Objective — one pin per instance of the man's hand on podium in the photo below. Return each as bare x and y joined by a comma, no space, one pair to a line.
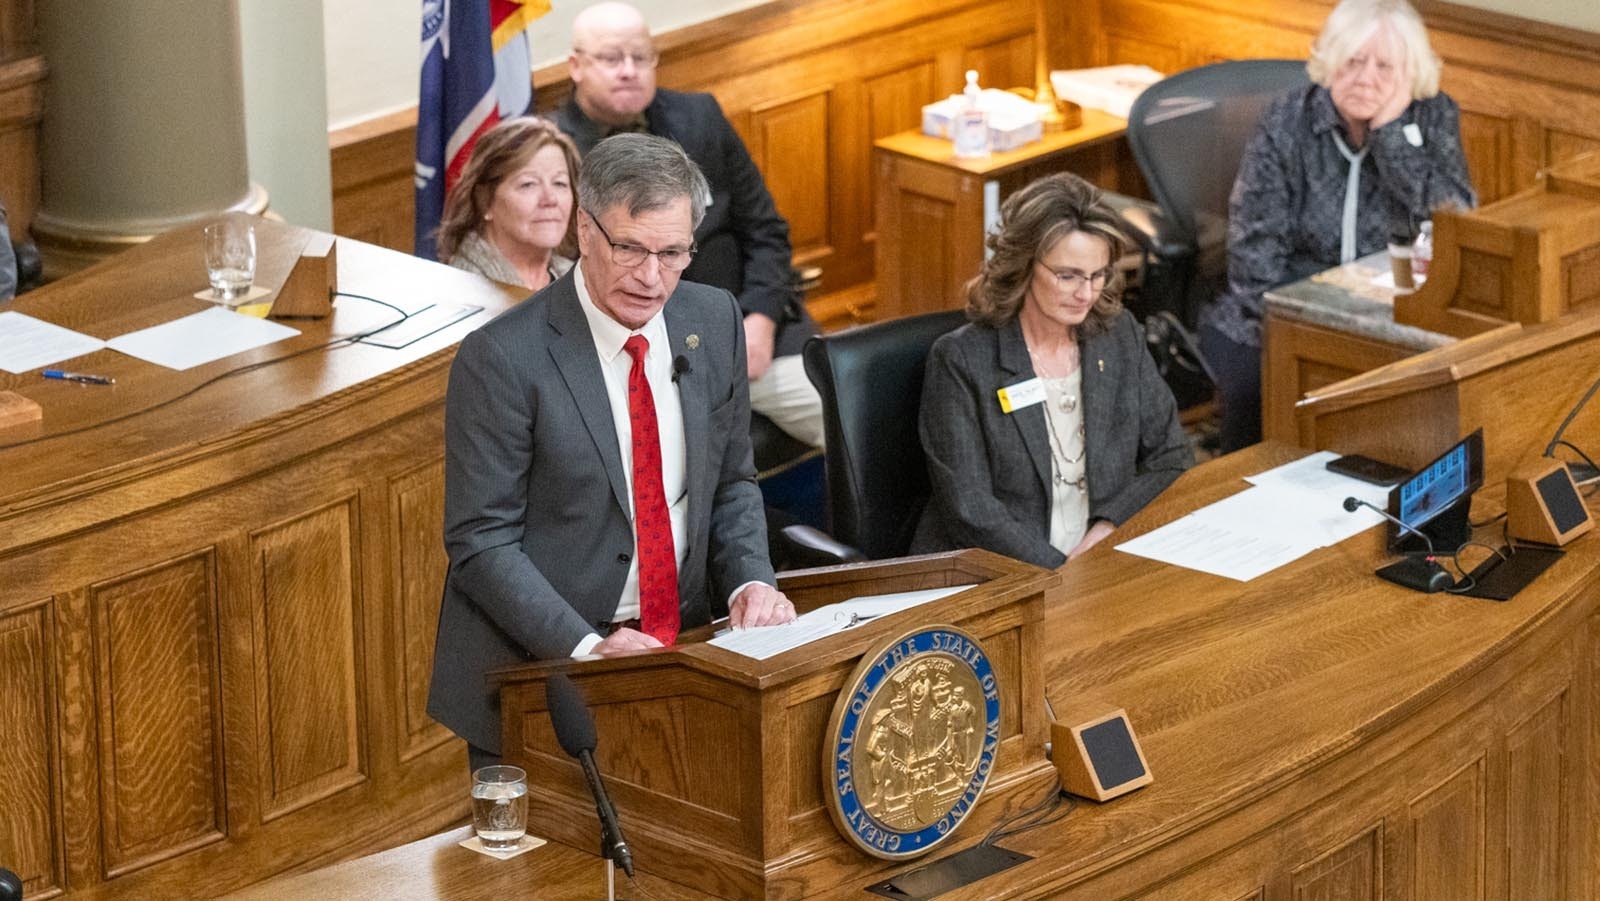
759,605
623,641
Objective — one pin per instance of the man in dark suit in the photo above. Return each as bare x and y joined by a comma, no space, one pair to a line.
743,242
599,490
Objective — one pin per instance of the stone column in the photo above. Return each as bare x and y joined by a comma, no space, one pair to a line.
143,126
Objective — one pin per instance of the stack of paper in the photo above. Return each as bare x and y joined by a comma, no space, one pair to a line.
1291,511
824,621
1109,88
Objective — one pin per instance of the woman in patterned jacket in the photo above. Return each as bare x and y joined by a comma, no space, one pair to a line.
1369,148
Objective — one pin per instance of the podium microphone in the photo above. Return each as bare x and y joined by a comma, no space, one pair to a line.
1352,503
575,731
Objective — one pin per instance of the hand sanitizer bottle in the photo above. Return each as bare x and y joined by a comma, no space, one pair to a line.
972,125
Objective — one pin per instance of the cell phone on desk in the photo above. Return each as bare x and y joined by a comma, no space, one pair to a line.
1376,472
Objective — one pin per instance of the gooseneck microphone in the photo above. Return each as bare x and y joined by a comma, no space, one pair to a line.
575,731
1352,503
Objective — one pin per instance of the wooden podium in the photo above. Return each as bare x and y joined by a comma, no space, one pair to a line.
1531,257
715,760
1517,382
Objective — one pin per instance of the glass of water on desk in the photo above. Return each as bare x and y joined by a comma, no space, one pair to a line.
230,246
500,806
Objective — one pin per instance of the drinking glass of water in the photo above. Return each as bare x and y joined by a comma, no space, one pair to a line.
500,806
230,245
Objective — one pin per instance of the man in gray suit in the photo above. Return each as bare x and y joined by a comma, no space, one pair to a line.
614,397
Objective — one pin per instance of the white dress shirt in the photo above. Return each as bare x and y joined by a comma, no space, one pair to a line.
615,365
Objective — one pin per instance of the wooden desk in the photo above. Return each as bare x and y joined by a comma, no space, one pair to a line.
1314,733
220,586
1324,329
933,209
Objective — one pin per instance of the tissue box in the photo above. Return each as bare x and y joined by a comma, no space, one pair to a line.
1013,121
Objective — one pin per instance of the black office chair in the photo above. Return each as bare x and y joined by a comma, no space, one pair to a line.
1188,133
870,379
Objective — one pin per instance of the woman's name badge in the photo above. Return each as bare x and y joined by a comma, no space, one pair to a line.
1413,134
1022,394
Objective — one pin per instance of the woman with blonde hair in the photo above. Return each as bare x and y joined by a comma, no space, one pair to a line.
1044,420
509,216
1363,154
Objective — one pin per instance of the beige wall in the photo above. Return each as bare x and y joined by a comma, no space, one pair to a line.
1581,14
286,125
373,52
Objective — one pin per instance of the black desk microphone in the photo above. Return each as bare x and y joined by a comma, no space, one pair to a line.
1352,503
575,731
1420,575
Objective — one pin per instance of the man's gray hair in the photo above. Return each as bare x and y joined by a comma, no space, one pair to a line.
641,173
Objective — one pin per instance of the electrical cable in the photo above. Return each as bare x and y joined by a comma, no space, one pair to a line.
1043,813
333,344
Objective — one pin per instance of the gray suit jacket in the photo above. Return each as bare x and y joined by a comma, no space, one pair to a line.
990,471
536,503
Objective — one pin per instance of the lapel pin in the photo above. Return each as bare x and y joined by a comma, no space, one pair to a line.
692,342
1102,364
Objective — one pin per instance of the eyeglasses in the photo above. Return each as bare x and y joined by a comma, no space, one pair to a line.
671,259
613,59
1071,280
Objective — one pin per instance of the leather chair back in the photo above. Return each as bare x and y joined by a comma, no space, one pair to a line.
870,379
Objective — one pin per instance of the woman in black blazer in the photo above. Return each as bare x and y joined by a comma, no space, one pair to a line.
1044,420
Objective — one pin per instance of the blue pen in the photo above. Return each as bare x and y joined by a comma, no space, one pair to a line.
79,377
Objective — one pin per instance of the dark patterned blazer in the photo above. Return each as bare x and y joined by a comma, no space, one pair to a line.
1286,212
990,470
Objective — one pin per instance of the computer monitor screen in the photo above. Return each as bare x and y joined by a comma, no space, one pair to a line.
1437,488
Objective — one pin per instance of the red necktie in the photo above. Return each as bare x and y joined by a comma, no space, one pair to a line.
658,563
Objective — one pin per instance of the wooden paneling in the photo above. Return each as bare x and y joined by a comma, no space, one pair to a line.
1448,843
416,505
305,635
30,814
893,100
1351,872
1298,357
1537,841
218,590
1005,63
374,194
160,715
792,136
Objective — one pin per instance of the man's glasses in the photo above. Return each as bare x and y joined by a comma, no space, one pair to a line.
1070,280
613,59
671,259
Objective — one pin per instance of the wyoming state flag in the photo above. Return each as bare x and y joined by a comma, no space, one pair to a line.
475,71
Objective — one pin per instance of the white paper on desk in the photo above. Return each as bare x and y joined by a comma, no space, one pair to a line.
28,343
1197,544
200,338
1321,492
769,641
1290,516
